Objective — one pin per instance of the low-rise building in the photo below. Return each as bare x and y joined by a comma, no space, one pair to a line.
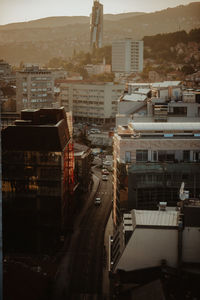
148,238
94,102
158,102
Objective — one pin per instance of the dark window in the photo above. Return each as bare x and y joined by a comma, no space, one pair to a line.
166,155
141,155
186,155
180,110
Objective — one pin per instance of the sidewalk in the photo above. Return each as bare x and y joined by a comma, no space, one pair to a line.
106,280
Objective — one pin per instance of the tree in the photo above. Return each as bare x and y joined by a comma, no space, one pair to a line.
187,69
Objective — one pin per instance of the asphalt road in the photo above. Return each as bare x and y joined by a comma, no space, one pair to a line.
80,275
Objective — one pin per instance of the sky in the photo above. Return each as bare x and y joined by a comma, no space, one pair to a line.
12,11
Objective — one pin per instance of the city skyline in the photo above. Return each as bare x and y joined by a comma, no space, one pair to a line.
13,11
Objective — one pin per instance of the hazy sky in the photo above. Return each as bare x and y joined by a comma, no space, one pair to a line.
24,10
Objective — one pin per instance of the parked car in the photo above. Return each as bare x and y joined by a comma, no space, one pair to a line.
104,177
107,163
105,172
97,201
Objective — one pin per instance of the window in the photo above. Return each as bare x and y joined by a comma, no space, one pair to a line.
141,155
127,157
166,155
180,110
186,155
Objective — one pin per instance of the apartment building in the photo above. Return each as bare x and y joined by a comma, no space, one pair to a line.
96,25
35,88
37,181
151,160
91,101
127,56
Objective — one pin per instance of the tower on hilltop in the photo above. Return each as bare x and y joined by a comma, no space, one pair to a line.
96,25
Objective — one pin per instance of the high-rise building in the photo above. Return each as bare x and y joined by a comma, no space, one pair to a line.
127,56
35,88
96,25
37,180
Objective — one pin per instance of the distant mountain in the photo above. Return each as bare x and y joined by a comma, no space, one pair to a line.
40,40
49,22
117,17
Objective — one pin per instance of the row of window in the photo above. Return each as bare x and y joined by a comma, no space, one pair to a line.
164,155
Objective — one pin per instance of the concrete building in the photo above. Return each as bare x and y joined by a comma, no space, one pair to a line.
127,56
37,181
96,25
95,102
158,102
151,158
35,88
97,69
171,235
5,69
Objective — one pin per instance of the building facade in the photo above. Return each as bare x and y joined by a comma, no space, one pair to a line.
96,25
171,235
37,181
90,101
127,56
35,88
150,162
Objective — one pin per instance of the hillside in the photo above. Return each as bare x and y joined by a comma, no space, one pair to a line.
40,40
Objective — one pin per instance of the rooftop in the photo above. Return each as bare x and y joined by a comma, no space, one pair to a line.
134,97
155,218
156,126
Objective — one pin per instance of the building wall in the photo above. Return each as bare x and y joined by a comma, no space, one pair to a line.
131,145
35,89
127,56
148,247
97,101
191,245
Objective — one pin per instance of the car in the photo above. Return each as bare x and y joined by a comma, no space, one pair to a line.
107,163
104,177
97,201
105,172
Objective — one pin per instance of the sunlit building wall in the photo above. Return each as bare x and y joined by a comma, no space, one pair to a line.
127,56
35,88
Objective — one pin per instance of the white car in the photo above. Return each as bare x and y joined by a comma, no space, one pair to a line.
97,201
105,172
104,177
107,163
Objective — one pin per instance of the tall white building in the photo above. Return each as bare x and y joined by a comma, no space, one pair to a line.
127,56
96,25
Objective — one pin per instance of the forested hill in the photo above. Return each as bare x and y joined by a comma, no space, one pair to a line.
165,45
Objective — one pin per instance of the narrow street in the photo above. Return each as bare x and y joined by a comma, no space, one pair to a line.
80,273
